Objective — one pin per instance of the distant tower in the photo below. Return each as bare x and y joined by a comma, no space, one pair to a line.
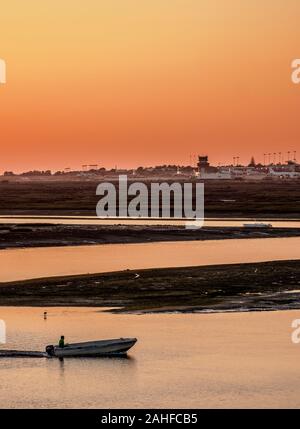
203,163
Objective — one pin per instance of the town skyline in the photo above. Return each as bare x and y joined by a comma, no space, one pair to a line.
280,159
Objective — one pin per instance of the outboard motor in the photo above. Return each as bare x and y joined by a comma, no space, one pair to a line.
50,350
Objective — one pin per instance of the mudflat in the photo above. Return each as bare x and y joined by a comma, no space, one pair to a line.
235,287
46,235
77,196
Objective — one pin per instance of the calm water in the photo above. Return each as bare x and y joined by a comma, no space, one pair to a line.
18,264
93,220
180,360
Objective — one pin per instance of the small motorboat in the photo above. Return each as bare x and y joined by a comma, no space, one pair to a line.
257,225
115,347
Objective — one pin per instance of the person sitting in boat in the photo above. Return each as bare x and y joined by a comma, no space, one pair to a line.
61,343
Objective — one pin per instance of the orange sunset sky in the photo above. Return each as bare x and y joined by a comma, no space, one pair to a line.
131,82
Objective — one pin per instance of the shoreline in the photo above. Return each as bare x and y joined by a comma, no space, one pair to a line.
262,286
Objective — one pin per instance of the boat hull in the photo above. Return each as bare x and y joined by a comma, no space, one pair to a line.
257,225
116,347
